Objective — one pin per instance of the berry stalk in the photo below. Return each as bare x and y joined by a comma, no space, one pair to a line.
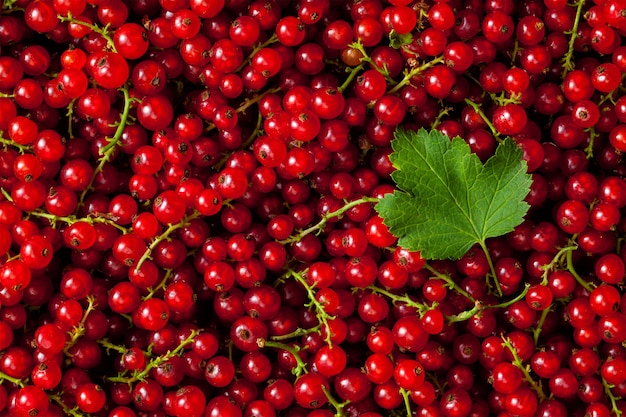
517,361
567,60
321,314
300,367
155,362
106,153
322,222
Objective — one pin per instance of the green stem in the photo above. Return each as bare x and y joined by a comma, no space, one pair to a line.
156,362
620,243
572,270
322,315
336,404
69,114
320,225
517,361
539,327
247,103
407,401
519,297
395,298
492,270
73,219
255,133
100,31
479,306
592,138
77,332
230,350
15,381
516,50
451,284
170,229
353,73
607,390
6,194
106,343
568,65
502,99
12,258
300,365
415,71
107,151
74,412
444,112
367,59
161,285
8,142
483,116
556,260
7,5
299,332
272,39
609,96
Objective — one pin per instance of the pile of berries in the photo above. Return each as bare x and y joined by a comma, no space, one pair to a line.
188,223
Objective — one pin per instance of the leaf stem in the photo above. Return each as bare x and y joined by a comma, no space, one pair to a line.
492,270
7,6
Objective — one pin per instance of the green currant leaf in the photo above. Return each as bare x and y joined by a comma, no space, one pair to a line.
447,200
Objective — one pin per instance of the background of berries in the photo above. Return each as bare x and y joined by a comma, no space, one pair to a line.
187,223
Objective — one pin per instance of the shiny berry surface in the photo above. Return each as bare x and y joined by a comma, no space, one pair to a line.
188,223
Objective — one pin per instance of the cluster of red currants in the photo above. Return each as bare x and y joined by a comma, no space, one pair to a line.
188,224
